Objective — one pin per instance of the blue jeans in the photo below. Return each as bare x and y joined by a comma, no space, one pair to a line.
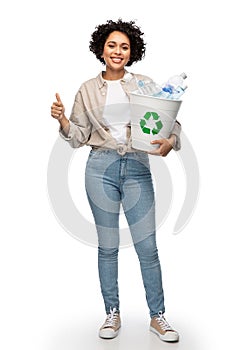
113,180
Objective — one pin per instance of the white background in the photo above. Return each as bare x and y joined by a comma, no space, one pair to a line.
50,296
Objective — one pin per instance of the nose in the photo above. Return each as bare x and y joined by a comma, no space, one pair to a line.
118,50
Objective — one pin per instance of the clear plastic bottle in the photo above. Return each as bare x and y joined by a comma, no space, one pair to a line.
174,82
173,89
149,88
175,86
177,93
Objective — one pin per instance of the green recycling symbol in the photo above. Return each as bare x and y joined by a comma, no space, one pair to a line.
157,123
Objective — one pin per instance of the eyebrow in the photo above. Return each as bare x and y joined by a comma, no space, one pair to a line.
114,42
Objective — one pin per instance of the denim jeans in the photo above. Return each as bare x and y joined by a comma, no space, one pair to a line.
113,180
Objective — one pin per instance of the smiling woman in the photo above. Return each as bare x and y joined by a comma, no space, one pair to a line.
116,173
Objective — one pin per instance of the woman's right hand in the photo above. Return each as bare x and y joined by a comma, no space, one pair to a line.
58,109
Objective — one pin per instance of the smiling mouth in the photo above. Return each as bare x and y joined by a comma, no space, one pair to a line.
116,59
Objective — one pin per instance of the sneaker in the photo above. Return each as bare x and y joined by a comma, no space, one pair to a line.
111,326
161,327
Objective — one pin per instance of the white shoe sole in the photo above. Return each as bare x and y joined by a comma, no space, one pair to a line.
169,336
108,333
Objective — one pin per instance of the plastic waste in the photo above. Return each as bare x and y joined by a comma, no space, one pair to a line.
173,89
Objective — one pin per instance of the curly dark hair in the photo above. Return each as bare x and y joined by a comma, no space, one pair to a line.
100,35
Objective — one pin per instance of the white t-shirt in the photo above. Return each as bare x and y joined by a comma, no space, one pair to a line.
116,114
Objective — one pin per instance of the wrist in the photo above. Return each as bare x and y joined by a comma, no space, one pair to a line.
172,140
63,121
61,117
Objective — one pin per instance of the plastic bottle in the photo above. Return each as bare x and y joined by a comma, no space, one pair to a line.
149,88
175,87
177,93
176,80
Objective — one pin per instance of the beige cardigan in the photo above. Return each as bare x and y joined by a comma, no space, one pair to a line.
86,123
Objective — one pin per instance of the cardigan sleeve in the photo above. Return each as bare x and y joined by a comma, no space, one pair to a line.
79,124
177,131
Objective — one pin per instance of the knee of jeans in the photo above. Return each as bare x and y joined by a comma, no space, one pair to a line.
108,253
147,249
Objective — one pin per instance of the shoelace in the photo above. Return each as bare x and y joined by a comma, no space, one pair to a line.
163,323
111,319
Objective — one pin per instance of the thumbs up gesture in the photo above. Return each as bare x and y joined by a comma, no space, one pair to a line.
58,109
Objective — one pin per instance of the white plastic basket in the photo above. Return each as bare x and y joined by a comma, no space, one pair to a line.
152,118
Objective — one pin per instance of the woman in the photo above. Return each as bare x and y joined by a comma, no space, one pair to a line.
116,174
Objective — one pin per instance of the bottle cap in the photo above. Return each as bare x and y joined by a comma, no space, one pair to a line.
183,75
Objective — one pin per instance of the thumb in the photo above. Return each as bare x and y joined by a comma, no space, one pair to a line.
58,98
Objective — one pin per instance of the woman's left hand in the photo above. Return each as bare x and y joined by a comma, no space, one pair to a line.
165,147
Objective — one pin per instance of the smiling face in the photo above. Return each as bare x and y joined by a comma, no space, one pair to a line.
116,54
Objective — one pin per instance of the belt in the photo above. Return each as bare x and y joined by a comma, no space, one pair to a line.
121,149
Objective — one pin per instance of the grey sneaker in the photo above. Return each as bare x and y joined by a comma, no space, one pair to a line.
161,327
111,326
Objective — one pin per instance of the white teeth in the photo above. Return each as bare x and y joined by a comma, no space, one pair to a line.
116,60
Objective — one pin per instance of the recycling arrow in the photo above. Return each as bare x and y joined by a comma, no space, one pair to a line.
157,123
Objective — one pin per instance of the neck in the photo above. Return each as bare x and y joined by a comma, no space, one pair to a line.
113,75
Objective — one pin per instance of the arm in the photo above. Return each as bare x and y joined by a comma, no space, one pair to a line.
77,129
